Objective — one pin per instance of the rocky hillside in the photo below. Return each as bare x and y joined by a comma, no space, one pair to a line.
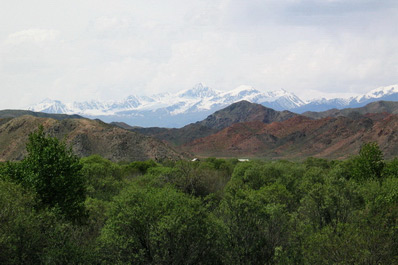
300,137
86,137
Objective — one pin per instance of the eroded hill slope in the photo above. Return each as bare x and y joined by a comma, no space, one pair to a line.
86,137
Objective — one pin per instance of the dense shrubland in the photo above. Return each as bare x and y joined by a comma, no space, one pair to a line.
58,209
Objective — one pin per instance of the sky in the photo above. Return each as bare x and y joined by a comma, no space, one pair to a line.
107,50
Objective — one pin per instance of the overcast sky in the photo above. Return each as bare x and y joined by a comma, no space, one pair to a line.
96,49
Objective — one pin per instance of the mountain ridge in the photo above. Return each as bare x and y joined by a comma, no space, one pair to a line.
252,130
241,129
241,111
86,137
170,110
195,104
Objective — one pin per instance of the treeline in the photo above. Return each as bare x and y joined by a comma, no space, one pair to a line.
58,209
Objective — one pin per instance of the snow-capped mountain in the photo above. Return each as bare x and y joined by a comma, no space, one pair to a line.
191,105
323,104
198,91
51,106
380,93
169,109
388,93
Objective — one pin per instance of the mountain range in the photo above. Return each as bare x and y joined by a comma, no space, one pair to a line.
246,129
242,111
188,106
242,129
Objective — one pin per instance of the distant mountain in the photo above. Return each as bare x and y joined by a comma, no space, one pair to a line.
195,104
374,107
86,137
387,93
323,104
170,110
242,111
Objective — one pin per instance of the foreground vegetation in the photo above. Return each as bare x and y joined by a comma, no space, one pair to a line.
58,209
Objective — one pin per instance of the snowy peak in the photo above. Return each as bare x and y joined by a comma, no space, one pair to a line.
87,105
198,91
242,92
377,93
279,93
198,102
50,106
200,98
285,95
387,93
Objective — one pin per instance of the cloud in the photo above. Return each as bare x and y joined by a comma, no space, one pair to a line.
338,7
329,14
111,50
32,36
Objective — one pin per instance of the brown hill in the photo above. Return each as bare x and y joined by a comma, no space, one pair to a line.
86,137
300,137
242,111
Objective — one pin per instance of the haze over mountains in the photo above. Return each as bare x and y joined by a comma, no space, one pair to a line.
182,108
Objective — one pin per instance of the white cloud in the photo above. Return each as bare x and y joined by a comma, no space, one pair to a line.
32,36
109,50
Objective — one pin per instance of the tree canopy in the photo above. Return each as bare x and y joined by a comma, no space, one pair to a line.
213,211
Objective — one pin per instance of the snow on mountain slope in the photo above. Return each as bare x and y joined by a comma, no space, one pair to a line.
378,93
51,106
198,91
387,93
191,105
199,98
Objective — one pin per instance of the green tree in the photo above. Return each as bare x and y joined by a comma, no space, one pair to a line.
54,173
369,164
19,238
149,225
391,168
104,179
257,222
31,237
